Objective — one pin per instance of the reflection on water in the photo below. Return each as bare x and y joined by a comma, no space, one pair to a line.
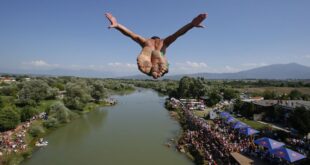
132,132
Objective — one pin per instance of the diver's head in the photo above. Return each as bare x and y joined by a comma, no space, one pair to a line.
155,37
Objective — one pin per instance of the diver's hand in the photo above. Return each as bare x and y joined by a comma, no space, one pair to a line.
112,20
197,21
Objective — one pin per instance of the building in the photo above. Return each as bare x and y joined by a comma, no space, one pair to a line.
193,104
7,80
264,109
284,104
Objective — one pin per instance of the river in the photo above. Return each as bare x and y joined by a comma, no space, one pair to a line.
133,132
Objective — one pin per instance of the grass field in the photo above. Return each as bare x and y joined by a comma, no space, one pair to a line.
202,113
279,90
253,124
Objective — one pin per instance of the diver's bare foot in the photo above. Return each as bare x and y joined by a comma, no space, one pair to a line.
144,62
159,65
163,66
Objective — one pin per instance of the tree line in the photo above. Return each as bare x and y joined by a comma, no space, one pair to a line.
21,100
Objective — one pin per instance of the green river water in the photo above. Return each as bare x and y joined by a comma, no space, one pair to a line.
131,133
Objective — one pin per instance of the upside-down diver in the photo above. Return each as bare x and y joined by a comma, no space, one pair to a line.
152,59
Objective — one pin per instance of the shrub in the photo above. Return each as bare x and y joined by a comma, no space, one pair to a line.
36,130
27,113
61,113
9,118
51,123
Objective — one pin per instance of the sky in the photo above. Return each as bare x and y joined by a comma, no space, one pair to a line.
72,35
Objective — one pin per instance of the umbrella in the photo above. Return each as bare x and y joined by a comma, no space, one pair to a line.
248,131
269,143
224,114
287,154
239,124
230,119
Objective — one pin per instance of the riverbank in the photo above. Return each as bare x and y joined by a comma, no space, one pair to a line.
21,141
177,114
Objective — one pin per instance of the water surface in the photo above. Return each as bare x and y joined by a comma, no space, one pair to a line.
131,133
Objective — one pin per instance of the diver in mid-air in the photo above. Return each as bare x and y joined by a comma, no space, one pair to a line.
152,60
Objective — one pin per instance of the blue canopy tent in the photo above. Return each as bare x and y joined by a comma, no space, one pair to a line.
269,143
287,154
240,124
230,119
224,115
248,131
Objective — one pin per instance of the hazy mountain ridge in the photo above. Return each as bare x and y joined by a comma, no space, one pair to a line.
275,71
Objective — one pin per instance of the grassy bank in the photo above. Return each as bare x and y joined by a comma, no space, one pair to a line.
252,123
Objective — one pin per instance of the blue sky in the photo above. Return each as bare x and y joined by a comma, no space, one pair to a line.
72,35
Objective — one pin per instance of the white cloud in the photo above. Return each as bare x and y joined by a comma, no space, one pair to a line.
225,69
196,64
39,64
252,65
307,56
200,67
110,67
122,65
188,67
228,68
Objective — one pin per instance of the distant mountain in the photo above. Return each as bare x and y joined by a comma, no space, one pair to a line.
61,72
275,71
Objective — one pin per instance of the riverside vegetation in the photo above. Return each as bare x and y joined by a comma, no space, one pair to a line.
59,99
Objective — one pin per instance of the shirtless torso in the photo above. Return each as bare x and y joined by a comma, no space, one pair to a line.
152,59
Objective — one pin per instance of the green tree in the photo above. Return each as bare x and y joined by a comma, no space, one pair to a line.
185,84
230,94
306,97
32,92
1,102
247,110
9,90
295,95
214,98
27,113
274,114
269,95
238,105
52,93
9,118
300,120
60,112
198,88
77,95
191,87
98,91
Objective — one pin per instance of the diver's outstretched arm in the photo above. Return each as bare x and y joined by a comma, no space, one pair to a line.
196,22
114,24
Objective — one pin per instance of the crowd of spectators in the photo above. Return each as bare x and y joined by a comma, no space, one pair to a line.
15,140
212,142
